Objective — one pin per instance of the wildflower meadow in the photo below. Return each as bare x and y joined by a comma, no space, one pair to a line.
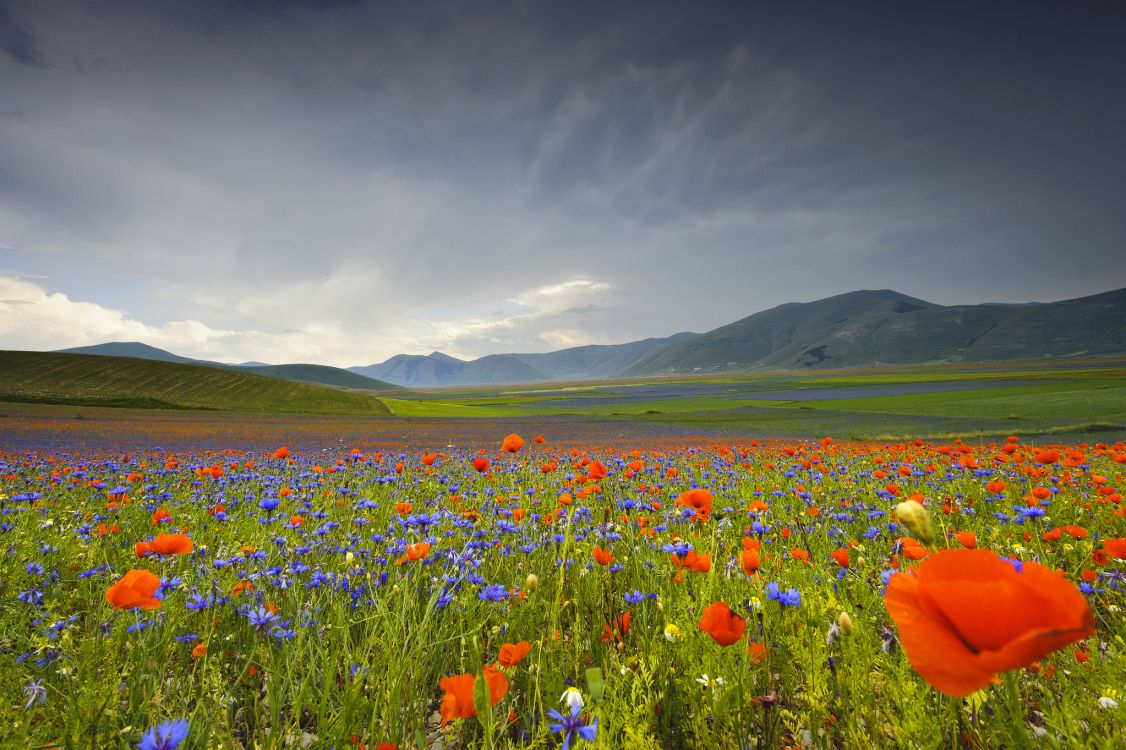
518,593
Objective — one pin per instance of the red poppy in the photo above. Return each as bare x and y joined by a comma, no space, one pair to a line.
457,703
603,556
699,500
750,561
964,615
724,626
281,452
967,539
135,591
1115,548
616,631
693,561
512,654
165,544
841,557
414,552
512,443
481,464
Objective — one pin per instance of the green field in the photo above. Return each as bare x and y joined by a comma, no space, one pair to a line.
84,380
1064,398
1076,399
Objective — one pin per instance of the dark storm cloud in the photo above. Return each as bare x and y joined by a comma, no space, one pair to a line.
392,170
17,40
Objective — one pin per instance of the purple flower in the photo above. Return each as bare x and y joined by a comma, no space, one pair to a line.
165,736
572,725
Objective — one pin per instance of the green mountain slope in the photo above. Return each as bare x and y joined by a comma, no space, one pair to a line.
57,378
866,328
301,373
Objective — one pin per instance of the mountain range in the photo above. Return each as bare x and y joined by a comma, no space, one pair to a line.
858,329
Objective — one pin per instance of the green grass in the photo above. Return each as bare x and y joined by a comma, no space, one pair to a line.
87,380
1043,400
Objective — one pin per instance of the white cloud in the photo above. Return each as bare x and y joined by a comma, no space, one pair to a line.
312,324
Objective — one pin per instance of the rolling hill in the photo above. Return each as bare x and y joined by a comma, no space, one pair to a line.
100,380
301,373
576,363
865,328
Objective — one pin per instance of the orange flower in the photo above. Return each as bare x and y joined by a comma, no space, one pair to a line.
199,650
967,539
603,556
616,630
539,439
414,552
481,464
281,452
512,443
596,471
512,654
135,590
457,703
172,544
750,560
841,557
693,561
964,615
800,555
724,626
1115,548
429,459
698,500
404,509
757,652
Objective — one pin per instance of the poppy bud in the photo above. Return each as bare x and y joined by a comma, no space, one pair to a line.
912,515
844,622
531,582
349,557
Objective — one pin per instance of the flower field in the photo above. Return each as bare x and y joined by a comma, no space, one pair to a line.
544,592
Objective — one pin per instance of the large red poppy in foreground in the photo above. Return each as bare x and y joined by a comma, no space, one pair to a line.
965,614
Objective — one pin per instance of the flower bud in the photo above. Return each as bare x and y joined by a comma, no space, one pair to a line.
844,622
349,557
531,582
914,516
572,698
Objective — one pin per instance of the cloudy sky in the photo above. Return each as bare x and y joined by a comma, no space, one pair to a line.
340,182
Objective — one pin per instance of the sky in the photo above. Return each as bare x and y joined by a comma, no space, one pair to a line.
339,182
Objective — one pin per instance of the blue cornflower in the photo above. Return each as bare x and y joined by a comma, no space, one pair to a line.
164,736
635,597
35,693
268,503
787,598
494,592
572,725
261,618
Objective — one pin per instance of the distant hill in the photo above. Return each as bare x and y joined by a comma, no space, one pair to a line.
320,374
576,363
865,328
100,380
